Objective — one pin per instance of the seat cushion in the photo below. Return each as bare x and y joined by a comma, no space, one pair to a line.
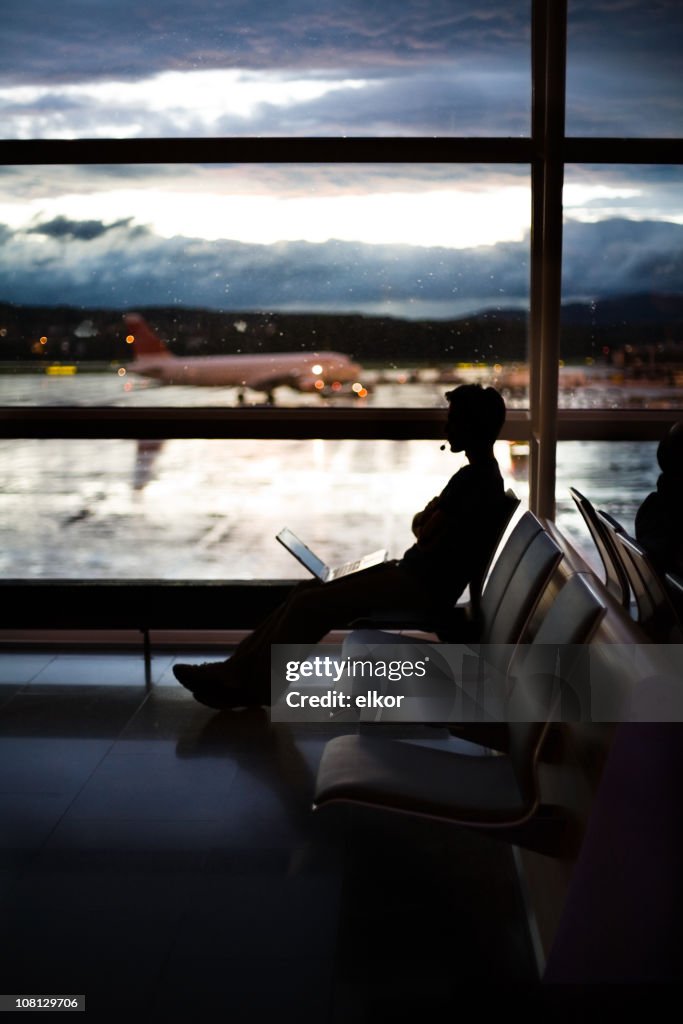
421,780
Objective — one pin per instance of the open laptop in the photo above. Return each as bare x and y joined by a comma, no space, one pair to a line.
316,566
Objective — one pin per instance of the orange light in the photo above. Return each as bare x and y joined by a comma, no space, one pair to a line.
319,384
121,371
363,393
497,368
336,385
130,338
43,340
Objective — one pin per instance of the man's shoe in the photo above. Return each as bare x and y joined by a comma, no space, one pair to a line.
219,697
210,673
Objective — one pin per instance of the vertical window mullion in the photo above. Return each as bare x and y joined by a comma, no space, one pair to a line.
549,70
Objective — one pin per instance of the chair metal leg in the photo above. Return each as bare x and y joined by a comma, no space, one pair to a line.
147,654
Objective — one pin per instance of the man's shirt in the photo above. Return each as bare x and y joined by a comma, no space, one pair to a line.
473,503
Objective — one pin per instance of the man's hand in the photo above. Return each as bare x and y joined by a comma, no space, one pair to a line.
420,519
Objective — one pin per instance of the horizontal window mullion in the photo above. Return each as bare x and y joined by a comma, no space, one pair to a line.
623,151
301,424
276,150
168,423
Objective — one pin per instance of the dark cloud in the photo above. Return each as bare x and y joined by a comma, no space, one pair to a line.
44,41
618,256
433,66
476,98
624,67
126,266
85,230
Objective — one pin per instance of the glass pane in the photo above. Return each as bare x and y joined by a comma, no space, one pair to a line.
624,68
283,284
210,509
166,68
614,475
622,330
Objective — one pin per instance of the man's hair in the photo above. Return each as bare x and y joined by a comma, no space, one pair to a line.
670,451
482,408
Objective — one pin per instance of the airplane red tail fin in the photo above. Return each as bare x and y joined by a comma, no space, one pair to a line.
147,342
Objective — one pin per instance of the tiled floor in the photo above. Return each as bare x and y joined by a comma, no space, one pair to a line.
159,855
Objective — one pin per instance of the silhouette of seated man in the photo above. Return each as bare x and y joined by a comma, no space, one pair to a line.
454,537
659,520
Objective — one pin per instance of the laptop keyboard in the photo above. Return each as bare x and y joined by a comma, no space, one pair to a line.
344,570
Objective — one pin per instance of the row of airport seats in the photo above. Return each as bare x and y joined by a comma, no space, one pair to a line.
498,793
631,577
540,789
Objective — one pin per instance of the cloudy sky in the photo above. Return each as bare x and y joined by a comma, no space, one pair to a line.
132,68
280,67
408,240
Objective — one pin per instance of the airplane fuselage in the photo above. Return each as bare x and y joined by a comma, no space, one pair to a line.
261,372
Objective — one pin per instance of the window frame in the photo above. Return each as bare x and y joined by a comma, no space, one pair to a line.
545,152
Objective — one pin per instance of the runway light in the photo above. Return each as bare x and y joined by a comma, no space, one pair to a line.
316,368
319,384
130,338
121,371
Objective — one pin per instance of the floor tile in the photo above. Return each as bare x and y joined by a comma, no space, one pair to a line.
94,670
70,711
156,787
263,917
20,667
130,843
26,822
48,765
247,989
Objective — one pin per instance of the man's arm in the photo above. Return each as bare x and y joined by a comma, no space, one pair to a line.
420,518
431,532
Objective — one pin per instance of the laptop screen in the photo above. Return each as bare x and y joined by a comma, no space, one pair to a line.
300,551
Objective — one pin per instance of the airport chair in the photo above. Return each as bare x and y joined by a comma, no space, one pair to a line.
616,580
477,582
460,621
512,593
656,612
497,794
516,582
674,586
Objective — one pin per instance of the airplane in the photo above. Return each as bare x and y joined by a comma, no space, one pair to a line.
326,373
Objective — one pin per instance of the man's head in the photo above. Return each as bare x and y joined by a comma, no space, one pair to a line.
670,451
475,417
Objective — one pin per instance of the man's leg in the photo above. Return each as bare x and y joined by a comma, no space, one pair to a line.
311,611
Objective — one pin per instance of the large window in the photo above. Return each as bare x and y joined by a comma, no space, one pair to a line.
287,182
419,274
